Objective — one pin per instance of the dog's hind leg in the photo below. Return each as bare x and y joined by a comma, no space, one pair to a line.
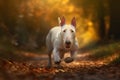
49,51
49,58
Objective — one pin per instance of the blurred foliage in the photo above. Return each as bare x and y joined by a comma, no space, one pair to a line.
26,22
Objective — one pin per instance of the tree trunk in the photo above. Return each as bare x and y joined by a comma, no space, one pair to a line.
101,15
114,31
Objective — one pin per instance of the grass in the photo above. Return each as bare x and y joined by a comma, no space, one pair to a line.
103,51
116,61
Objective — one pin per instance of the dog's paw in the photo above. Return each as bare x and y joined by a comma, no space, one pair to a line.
57,62
58,67
68,60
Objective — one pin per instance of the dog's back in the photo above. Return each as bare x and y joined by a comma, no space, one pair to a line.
52,35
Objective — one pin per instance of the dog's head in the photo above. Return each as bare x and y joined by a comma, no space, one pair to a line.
68,32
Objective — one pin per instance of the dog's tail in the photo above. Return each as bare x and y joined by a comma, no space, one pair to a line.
59,21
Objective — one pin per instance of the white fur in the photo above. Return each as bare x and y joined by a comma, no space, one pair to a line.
55,42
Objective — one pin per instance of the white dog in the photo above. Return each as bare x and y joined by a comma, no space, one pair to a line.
62,39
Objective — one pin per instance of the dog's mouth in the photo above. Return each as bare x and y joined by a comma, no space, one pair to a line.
67,46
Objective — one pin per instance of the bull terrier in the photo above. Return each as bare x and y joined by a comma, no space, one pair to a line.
62,39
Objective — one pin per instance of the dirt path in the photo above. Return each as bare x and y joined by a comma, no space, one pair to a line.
82,69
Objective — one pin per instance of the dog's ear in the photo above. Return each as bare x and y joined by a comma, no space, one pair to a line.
73,22
59,21
62,21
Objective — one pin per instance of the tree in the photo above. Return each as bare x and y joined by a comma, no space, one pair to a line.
114,32
101,15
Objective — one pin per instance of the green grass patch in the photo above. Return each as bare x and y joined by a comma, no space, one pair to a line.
105,50
116,61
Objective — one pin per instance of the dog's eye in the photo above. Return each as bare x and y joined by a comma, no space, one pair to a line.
64,30
72,31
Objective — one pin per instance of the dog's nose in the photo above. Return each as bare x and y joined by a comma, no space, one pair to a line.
68,42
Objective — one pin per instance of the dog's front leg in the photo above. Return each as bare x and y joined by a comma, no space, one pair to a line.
71,58
73,54
75,50
56,56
